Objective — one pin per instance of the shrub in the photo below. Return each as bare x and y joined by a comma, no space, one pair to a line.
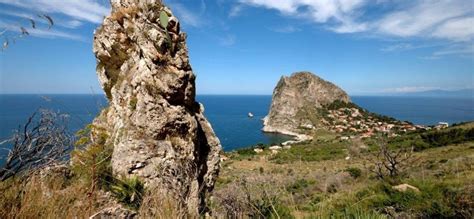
435,199
353,213
128,191
390,163
269,207
354,172
91,160
299,185
310,152
430,139
246,152
452,136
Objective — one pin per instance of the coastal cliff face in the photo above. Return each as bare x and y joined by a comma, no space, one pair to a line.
296,101
157,129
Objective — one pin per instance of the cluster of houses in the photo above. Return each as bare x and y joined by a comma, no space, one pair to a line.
351,122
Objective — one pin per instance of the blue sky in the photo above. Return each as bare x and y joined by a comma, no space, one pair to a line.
244,46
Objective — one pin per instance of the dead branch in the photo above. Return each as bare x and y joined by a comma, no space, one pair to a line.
43,140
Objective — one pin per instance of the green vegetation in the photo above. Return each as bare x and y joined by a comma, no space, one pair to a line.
451,136
336,105
247,153
435,199
354,172
434,138
314,179
91,160
310,152
128,191
270,207
164,19
299,185
133,103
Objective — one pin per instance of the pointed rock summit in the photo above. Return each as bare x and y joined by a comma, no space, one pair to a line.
157,129
296,101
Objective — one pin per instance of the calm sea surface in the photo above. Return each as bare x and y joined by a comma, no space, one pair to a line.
228,113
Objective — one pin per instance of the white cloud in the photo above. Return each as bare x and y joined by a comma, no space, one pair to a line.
72,24
441,19
398,47
455,49
65,13
51,34
449,21
235,10
421,18
227,40
54,34
187,16
286,29
458,29
83,10
341,13
409,89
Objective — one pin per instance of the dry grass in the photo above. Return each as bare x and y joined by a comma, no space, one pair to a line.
40,196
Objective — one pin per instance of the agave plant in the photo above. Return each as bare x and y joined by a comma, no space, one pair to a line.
129,191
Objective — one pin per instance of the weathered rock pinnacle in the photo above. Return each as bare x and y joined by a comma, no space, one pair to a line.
157,128
296,100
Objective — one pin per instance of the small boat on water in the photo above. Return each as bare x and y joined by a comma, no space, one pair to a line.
250,115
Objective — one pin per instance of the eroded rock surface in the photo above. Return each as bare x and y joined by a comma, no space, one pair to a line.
157,128
297,99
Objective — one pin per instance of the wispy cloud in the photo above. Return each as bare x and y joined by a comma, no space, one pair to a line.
398,47
187,16
235,10
409,89
227,40
463,50
68,14
71,24
445,20
424,19
457,29
50,34
285,29
83,10
340,13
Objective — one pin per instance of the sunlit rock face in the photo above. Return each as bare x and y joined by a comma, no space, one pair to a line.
157,128
296,101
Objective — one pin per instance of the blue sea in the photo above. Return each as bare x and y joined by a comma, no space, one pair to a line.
228,114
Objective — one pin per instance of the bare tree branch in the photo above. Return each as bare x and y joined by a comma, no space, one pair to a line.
43,140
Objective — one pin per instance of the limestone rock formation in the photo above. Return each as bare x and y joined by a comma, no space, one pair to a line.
296,100
157,129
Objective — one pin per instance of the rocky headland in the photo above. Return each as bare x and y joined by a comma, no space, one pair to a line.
295,98
304,102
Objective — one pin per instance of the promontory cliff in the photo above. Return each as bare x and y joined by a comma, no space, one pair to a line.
296,100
